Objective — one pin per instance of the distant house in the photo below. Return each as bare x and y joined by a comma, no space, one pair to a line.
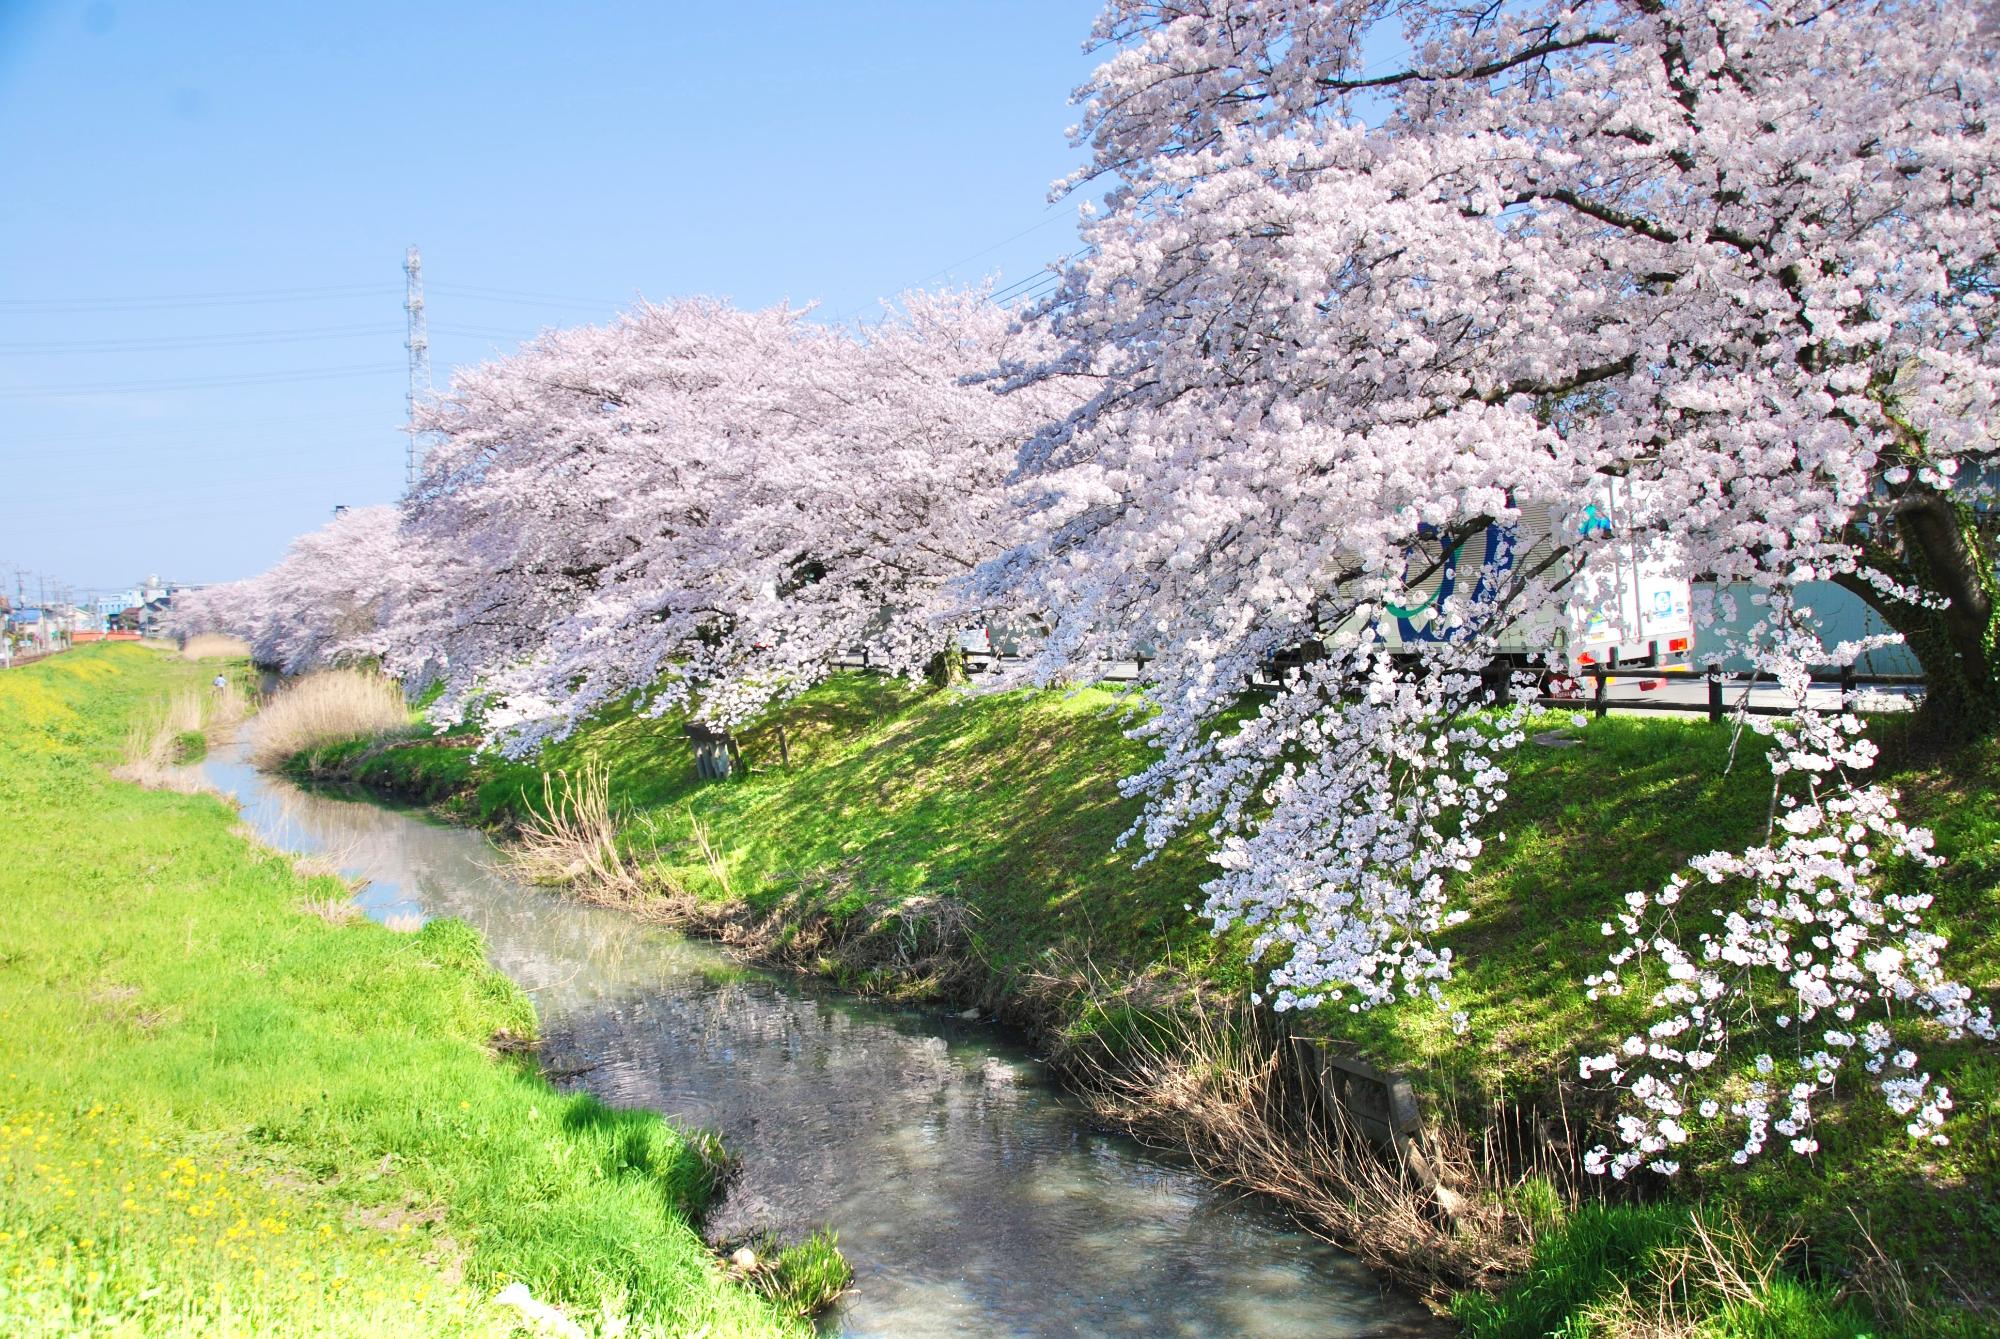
153,613
29,630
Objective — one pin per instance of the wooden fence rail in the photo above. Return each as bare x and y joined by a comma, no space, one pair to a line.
1846,680
1716,705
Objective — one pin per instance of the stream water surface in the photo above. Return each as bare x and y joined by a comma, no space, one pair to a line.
970,1194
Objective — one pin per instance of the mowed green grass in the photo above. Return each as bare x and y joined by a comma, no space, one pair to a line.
1011,803
223,1115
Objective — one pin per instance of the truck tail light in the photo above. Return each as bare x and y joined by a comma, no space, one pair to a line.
1678,644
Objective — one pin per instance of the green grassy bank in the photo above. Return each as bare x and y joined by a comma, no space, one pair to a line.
865,796
223,1114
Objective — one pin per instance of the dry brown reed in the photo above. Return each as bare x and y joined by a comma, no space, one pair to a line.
327,707
152,754
573,838
213,645
224,709
1723,1261
333,910
403,922
1211,1078
717,869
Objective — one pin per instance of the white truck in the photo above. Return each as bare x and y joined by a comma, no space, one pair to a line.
1636,611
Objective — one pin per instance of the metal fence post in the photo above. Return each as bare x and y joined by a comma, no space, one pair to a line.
1715,692
1597,702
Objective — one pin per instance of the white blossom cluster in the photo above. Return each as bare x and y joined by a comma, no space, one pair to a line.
1358,921
1804,938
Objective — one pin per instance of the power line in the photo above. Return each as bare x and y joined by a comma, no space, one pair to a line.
452,291
202,450
197,383
487,290
166,302
168,343
1047,278
1052,218
483,332
419,345
197,429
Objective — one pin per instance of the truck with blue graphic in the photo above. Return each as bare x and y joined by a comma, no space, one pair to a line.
1634,608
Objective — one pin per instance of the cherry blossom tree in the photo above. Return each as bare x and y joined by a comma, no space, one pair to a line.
1372,280
708,507
325,602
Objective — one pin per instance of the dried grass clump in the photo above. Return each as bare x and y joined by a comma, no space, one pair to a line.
333,910
1722,1277
1212,1079
573,838
327,707
223,709
214,645
153,746
403,922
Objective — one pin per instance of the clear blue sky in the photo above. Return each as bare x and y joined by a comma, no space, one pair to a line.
204,209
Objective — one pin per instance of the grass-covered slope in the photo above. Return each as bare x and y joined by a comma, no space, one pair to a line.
1010,805
224,1115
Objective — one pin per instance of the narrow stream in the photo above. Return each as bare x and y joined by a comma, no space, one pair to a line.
970,1194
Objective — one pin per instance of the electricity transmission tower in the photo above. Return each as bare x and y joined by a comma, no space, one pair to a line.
419,345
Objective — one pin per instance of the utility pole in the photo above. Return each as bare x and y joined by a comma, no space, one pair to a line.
419,345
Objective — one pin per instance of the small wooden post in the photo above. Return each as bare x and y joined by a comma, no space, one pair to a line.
1597,701
1715,692
784,747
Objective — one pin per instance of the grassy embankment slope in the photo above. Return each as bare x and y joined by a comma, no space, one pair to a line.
225,1115
1009,805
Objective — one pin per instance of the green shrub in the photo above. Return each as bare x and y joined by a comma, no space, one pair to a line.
807,1278
1583,1261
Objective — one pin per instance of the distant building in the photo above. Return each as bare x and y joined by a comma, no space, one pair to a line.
153,614
29,630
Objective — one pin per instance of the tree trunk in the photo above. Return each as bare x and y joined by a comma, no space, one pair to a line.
1938,548
947,667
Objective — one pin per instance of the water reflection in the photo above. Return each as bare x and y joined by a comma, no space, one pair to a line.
969,1193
